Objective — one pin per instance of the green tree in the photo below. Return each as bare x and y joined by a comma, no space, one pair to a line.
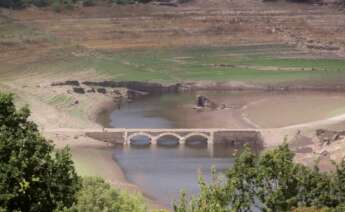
210,198
33,177
97,195
13,4
271,181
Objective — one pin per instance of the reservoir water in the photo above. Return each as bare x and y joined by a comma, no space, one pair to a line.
163,171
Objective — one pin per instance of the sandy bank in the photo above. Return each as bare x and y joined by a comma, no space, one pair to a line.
94,158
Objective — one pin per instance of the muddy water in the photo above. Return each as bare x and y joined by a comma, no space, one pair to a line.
244,110
162,172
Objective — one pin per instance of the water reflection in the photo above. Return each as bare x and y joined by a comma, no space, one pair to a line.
196,141
168,141
140,141
162,172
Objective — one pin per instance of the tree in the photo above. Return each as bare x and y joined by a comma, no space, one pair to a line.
271,181
33,176
14,4
97,195
210,198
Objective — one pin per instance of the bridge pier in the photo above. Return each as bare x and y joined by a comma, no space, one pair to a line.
182,141
210,139
210,149
153,141
125,138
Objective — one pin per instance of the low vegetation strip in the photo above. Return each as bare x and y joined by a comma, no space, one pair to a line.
59,5
188,64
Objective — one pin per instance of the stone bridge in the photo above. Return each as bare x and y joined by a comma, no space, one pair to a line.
210,138
182,136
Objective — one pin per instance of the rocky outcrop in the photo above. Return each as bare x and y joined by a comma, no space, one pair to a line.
203,102
323,47
68,82
101,90
78,90
159,88
149,87
328,136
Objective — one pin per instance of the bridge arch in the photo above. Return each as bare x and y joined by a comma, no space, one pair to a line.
131,138
174,139
197,139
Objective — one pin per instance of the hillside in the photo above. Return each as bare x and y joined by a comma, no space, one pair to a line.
221,22
224,40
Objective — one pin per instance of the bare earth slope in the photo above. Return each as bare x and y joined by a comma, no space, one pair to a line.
221,22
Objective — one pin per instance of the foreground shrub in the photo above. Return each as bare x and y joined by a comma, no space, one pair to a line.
88,3
59,5
97,195
33,177
270,182
123,2
14,4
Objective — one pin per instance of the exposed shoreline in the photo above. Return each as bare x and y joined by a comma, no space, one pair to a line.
99,161
103,164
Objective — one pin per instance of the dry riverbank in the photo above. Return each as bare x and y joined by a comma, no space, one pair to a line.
95,158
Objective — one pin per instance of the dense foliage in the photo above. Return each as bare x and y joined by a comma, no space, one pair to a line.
270,182
33,177
97,195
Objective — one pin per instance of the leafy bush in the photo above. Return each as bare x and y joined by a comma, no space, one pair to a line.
57,5
97,195
123,2
60,5
40,3
270,182
14,4
183,1
33,176
88,3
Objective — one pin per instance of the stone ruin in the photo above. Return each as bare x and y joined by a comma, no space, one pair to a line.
205,102
327,137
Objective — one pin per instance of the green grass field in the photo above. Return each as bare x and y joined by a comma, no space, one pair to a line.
256,63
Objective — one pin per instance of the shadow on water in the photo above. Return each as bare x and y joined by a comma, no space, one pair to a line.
196,141
140,141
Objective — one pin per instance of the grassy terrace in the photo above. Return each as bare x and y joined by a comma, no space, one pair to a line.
46,55
273,63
